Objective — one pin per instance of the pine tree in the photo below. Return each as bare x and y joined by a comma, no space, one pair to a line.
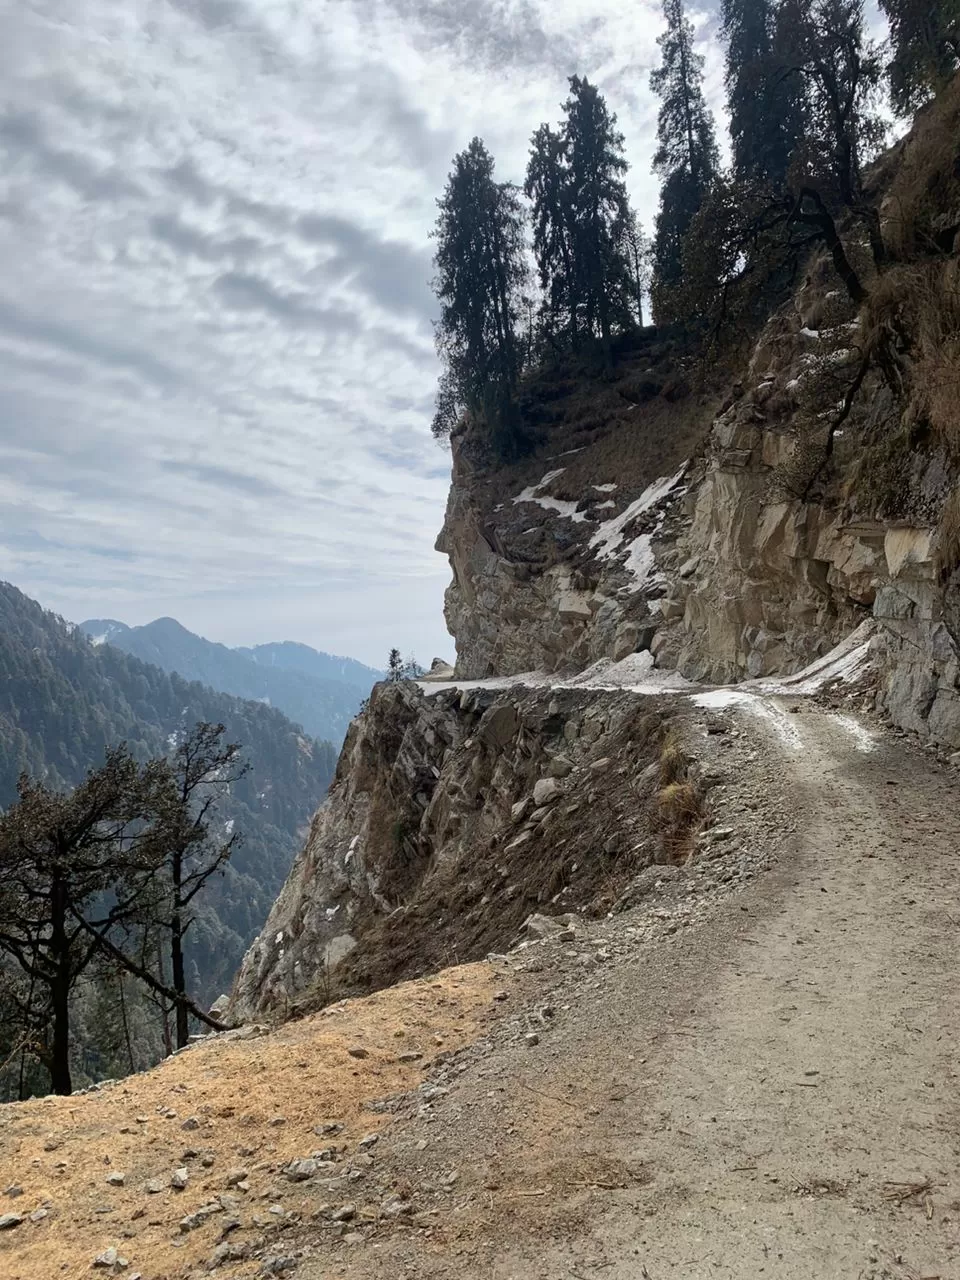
580,216
481,271
395,668
686,157
925,43
599,212
766,107
823,47
547,186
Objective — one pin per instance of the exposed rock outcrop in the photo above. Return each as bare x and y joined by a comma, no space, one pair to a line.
453,817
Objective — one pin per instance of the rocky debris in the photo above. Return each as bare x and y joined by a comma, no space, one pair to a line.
155,1186
10,1220
545,791
234,1177
541,926
357,1051
424,801
179,1179
278,1265
301,1170
116,1179
191,1122
230,1251
110,1260
200,1216
13,1191
346,1213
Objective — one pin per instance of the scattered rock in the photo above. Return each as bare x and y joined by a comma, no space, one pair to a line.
219,1007
13,1191
110,1260
230,1252
357,1051
200,1216
179,1179
346,1213
235,1177
38,1215
116,1179
370,1140
411,1055
191,1122
520,810
301,1170
545,791
10,1220
277,1265
532,1038
560,767
155,1186
276,1121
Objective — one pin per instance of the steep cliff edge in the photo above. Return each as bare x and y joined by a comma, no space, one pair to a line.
724,527
455,816
745,533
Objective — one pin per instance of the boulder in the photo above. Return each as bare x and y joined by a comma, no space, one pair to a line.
545,791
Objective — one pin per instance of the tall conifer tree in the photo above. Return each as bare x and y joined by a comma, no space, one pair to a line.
766,107
481,271
580,215
925,44
686,157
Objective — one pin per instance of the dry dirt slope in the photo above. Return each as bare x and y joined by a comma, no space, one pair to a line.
760,1083
772,1092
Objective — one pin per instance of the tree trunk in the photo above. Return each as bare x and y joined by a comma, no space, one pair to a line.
176,950
60,1081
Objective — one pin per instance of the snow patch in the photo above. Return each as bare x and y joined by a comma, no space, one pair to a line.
862,737
640,562
778,720
604,488
844,663
561,507
608,537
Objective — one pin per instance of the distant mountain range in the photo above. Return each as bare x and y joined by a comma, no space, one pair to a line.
65,700
316,690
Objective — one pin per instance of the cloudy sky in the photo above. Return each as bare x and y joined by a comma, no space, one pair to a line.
216,361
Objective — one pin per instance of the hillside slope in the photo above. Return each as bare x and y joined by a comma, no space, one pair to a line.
317,690
744,534
746,1073
64,701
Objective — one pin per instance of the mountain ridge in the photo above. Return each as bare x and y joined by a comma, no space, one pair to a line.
320,691
64,701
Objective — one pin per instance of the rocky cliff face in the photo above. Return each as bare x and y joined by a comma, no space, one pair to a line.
726,534
456,815
722,567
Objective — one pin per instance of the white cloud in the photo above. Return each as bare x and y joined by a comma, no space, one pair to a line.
216,360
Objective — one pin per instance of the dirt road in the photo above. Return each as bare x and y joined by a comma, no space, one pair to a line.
773,1091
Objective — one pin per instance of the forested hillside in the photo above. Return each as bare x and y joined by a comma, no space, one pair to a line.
317,690
64,701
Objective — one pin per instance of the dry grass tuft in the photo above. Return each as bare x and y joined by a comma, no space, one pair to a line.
677,810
